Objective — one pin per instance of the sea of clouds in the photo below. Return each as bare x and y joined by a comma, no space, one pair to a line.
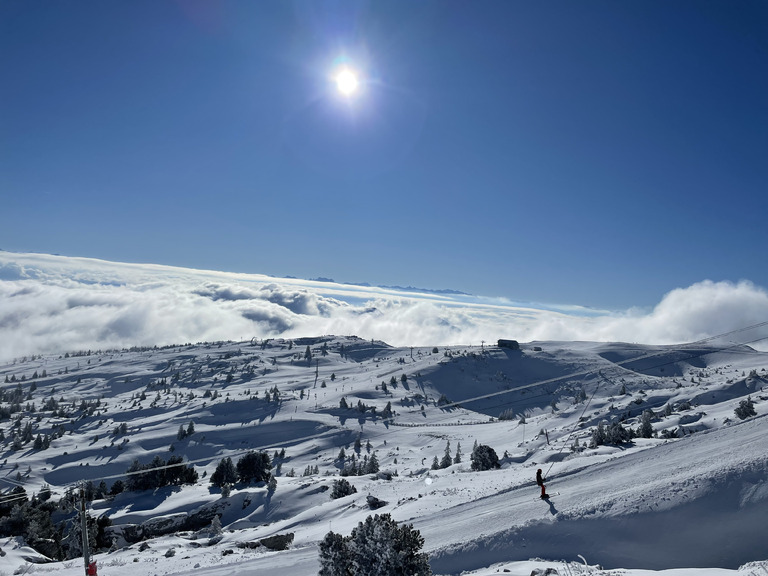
56,304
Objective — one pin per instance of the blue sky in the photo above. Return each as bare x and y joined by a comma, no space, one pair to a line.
591,153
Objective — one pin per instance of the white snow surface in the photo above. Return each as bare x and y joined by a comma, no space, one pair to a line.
691,501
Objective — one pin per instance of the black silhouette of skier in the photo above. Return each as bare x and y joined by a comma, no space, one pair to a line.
540,481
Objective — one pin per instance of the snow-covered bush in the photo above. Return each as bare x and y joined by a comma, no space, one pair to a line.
646,428
342,488
745,409
376,547
484,458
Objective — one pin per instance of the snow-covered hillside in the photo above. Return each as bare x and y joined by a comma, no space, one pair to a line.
691,499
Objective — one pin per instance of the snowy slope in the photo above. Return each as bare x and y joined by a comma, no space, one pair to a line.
696,499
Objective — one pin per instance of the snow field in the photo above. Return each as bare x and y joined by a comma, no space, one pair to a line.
693,505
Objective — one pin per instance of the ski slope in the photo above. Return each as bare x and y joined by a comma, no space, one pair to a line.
693,504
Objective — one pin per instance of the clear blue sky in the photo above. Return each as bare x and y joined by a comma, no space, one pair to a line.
593,153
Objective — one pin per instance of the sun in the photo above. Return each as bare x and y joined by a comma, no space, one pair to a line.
347,82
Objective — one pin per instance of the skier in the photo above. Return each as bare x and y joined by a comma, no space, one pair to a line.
540,482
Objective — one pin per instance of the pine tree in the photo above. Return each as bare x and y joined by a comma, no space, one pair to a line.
745,409
380,547
225,473
216,525
646,428
373,465
457,458
335,556
598,436
341,488
254,467
484,458
446,460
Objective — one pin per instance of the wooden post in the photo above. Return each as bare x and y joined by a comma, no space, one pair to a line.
84,528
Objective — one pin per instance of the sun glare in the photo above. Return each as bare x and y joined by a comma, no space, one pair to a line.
346,82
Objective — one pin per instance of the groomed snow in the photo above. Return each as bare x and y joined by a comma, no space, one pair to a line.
694,505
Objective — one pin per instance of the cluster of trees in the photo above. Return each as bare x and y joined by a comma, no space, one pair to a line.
12,379
272,395
376,547
251,467
15,394
615,433
356,467
23,435
363,408
446,460
185,432
158,473
52,528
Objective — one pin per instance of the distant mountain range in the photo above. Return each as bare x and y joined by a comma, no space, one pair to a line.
385,287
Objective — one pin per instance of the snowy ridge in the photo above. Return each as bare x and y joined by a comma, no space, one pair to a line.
693,497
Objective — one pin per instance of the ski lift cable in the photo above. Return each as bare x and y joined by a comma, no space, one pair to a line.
12,498
565,443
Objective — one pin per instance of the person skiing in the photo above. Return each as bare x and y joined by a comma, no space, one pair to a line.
540,481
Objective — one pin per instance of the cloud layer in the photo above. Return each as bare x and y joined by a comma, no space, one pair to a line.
53,304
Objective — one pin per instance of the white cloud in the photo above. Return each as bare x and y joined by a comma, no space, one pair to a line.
58,304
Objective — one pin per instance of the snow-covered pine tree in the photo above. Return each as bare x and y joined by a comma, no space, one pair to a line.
745,409
484,458
341,488
376,547
335,557
379,547
646,428
446,459
373,465
216,528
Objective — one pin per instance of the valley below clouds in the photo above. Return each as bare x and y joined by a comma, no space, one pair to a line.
51,304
